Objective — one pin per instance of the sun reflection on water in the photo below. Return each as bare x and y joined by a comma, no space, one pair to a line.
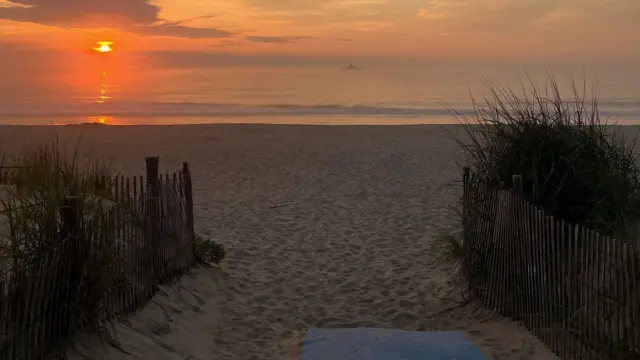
104,88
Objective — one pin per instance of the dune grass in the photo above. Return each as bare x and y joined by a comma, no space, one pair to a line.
574,165
83,271
44,176
34,250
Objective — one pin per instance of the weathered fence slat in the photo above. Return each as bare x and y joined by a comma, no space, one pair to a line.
578,291
546,260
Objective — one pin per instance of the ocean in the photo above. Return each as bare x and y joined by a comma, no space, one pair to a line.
375,93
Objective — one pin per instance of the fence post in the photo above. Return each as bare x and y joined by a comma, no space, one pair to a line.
69,215
71,264
466,178
152,213
466,175
188,191
466,236
515,248
517,184
4,314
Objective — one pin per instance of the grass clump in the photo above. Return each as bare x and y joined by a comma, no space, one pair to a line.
574,165
208,251
37,247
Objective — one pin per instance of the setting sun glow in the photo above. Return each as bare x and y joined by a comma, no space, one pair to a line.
104,47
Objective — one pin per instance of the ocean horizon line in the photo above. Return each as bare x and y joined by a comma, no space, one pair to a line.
610,108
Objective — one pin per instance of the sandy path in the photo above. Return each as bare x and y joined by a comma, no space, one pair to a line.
355,249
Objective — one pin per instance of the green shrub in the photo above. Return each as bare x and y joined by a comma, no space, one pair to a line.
208,251
574,165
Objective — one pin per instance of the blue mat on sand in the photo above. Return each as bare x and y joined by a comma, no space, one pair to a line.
387,344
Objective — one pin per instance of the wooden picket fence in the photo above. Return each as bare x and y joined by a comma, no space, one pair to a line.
96,264
578,291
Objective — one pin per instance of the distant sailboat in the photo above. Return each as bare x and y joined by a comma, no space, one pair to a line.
352,67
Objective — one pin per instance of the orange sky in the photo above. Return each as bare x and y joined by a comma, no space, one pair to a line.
451,29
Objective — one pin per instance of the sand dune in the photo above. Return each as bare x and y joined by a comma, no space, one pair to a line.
355,248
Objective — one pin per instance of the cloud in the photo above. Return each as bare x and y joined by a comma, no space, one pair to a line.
291,5
276,39
70,12
323,11
139,16
177,29
441,9
431,14
7,4
508,16
487,15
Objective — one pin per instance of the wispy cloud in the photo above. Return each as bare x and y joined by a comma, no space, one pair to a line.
276,39
483,15
498,16
178,29
8,4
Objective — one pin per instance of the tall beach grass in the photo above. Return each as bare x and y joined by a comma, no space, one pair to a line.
62,277
574,165
36,248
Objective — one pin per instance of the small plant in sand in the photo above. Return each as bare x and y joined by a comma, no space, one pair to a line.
36,246
208,251
450,249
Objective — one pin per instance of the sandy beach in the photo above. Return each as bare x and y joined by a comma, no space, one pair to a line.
352,246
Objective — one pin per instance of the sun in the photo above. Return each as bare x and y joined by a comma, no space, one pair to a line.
103,47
